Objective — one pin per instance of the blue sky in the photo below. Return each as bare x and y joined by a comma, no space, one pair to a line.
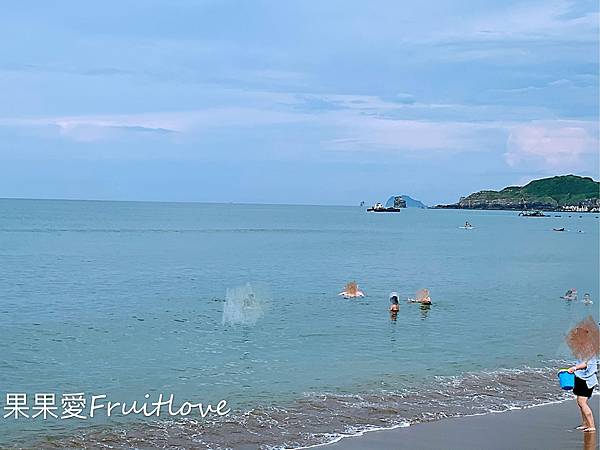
294,101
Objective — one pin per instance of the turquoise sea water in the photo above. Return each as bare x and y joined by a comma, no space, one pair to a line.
126,298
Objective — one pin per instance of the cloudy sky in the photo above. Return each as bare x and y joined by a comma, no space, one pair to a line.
327,102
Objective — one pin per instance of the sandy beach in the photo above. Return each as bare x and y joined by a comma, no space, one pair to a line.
544,427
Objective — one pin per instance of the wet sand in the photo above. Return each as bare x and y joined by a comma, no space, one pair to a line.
543,427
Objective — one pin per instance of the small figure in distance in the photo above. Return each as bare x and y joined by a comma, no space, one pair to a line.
570,295
394,305
352,291
421,297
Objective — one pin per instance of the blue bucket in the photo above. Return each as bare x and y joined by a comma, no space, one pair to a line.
567,380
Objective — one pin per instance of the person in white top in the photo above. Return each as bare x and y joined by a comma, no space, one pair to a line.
583,340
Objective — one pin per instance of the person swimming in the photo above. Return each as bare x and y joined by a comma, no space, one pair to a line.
422,297
468,225
570,295
587,300
352,291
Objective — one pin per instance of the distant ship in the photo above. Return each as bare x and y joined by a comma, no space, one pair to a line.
532,214
399,203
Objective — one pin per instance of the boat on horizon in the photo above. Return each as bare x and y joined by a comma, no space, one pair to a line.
399,203
532,214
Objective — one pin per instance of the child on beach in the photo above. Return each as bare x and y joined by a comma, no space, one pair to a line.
584,341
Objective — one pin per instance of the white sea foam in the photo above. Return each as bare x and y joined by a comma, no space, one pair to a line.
243,305
351,433
336,437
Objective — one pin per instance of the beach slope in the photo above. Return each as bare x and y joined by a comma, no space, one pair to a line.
544,427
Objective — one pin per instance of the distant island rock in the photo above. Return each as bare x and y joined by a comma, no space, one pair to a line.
560,193
410,202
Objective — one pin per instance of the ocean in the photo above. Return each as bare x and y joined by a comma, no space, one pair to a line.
232,302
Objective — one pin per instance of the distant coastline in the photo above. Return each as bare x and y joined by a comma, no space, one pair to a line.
567,193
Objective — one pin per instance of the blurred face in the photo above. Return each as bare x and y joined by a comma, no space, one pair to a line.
584,339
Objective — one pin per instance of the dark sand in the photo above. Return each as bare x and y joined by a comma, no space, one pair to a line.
544,427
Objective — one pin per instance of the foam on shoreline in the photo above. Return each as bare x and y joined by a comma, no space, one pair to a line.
549,425
325,418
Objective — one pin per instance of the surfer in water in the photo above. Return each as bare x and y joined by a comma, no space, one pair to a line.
468,225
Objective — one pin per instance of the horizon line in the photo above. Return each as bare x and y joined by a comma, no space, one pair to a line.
210,202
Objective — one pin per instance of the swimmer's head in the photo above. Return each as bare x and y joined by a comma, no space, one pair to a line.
394,298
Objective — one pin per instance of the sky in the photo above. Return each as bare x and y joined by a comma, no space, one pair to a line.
296,101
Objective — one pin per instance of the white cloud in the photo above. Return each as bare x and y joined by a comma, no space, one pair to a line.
582,81
100,127
90,132
373,134
536,20
353,124
557,144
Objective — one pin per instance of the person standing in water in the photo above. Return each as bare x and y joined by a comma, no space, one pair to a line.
426,300
583,340
421,297
394,305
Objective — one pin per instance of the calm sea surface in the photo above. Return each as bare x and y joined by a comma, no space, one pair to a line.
126,298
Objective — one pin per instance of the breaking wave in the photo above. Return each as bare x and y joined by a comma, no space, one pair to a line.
323,417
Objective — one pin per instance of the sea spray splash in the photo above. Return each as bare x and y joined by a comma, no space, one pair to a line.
244,305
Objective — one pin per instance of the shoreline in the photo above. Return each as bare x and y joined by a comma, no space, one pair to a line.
554,211
396,411
547,425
